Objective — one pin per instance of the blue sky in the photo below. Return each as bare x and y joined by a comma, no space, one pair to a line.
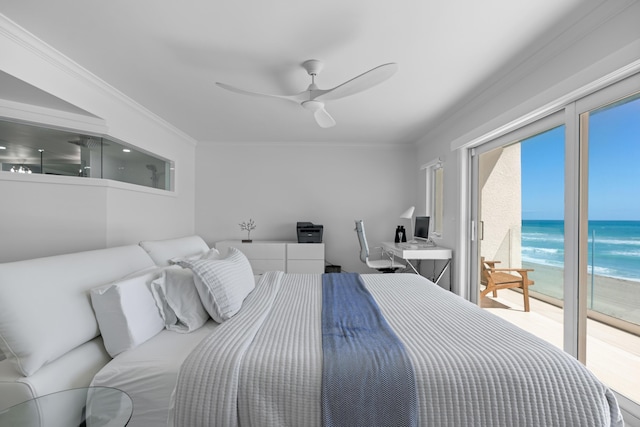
614,168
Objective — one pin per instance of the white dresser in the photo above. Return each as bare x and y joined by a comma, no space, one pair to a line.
290,257
305,258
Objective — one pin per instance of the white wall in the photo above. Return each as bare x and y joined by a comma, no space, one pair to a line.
46,216
278,185
39,218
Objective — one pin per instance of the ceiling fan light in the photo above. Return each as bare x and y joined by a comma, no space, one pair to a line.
313,105
323,118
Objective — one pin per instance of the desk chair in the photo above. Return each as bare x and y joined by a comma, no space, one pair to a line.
383,265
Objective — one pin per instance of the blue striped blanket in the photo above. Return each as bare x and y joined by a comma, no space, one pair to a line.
367,376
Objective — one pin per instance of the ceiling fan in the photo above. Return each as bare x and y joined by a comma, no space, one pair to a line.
312,98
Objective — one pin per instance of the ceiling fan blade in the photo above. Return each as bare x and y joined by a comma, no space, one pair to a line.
323,118
360,83
295,98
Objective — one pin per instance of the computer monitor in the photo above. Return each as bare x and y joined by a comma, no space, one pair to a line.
421,230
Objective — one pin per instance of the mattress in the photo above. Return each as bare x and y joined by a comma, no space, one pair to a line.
264,366
148,373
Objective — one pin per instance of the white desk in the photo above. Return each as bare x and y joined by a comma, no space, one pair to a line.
414,252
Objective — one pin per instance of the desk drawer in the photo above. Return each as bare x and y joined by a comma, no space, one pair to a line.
305,266
263,250
305,251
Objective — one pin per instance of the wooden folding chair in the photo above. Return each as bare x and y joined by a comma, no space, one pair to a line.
495,279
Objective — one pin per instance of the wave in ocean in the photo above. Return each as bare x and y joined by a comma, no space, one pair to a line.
614,246
533,237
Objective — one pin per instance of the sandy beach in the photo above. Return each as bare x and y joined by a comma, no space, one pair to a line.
611,296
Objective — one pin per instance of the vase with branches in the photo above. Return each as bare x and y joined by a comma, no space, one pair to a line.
247,226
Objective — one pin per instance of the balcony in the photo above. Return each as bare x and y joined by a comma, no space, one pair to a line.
613,354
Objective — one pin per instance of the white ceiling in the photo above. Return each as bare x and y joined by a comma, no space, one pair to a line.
167,56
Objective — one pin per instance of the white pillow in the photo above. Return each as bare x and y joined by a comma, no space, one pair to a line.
126,312
161,251
178,300
212,253
223,284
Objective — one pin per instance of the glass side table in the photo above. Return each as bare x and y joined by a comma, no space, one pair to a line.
81,407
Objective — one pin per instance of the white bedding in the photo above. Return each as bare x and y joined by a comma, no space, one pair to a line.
263,366
148,373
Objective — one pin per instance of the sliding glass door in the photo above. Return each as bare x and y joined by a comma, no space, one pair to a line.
521,226
561,198
610,135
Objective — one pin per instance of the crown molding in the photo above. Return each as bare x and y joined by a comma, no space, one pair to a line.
27,41
543,51
557,104
313,144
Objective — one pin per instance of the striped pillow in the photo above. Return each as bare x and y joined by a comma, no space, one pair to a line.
222,284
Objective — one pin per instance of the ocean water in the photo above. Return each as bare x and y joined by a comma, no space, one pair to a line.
614,246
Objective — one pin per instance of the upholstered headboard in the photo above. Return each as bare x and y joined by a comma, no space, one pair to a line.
162,251
45,308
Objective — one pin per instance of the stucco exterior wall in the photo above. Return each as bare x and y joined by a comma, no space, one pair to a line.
501,205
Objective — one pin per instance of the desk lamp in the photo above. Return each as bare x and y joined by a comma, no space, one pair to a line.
408,214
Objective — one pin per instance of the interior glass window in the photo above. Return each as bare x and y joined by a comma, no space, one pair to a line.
30,149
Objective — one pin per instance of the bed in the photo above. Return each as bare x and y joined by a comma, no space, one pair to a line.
261,359
263,366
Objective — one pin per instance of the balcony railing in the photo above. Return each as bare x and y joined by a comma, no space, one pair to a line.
613,294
